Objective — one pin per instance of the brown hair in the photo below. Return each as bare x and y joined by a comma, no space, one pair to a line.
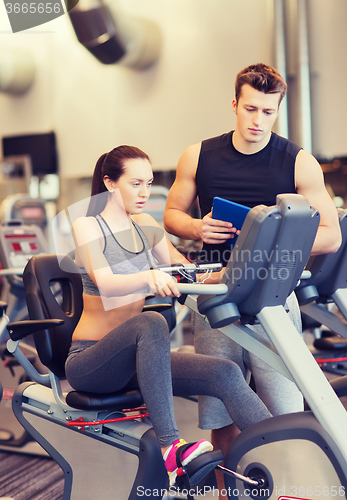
112,165
261,77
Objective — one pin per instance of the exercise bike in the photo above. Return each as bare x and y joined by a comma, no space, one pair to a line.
323,301
301,455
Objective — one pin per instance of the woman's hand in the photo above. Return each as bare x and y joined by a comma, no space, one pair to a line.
162,284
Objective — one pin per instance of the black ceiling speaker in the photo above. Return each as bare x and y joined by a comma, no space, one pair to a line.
114,38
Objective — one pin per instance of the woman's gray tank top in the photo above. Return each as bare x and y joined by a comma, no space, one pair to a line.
120,260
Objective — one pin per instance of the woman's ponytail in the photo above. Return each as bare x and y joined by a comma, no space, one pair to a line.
97,202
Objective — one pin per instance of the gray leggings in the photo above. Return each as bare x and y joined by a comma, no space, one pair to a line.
137,354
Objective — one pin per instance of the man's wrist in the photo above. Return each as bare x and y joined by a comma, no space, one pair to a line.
197,229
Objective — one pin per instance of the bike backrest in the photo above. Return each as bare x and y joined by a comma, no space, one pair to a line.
53,290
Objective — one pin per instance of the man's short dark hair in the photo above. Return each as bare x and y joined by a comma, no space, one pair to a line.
261,77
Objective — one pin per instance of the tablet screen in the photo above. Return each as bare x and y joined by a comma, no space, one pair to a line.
229,211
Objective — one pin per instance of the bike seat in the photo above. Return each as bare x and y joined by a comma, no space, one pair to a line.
115,400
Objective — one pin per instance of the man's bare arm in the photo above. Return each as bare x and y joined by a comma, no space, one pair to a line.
310,184
181,197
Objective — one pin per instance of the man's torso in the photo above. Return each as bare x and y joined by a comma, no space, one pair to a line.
250,180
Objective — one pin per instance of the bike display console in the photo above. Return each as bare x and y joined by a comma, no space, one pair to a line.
18,243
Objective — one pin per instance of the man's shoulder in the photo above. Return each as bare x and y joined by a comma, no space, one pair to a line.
216,142
283,144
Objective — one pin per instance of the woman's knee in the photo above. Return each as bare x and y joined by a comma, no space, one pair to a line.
226,375
222,371
153,324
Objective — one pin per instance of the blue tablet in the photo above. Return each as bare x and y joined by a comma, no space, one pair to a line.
228,211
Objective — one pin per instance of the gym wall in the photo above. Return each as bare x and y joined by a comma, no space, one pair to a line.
184,97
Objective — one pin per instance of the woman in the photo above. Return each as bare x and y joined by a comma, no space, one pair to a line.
115,345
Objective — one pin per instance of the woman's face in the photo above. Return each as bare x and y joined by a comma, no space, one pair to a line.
134,186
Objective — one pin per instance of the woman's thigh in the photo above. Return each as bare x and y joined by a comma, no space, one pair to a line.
109,364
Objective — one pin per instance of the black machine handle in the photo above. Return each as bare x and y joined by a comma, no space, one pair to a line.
21,329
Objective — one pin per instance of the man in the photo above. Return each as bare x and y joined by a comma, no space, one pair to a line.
250,166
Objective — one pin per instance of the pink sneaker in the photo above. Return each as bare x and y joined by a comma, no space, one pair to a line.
193,450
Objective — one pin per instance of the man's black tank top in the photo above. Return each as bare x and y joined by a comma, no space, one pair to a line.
250,180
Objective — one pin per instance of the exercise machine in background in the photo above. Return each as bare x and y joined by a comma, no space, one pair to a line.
323,302
18,243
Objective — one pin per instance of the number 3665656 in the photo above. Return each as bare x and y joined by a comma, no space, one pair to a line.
33,8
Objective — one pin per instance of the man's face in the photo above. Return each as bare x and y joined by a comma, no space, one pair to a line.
256,113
